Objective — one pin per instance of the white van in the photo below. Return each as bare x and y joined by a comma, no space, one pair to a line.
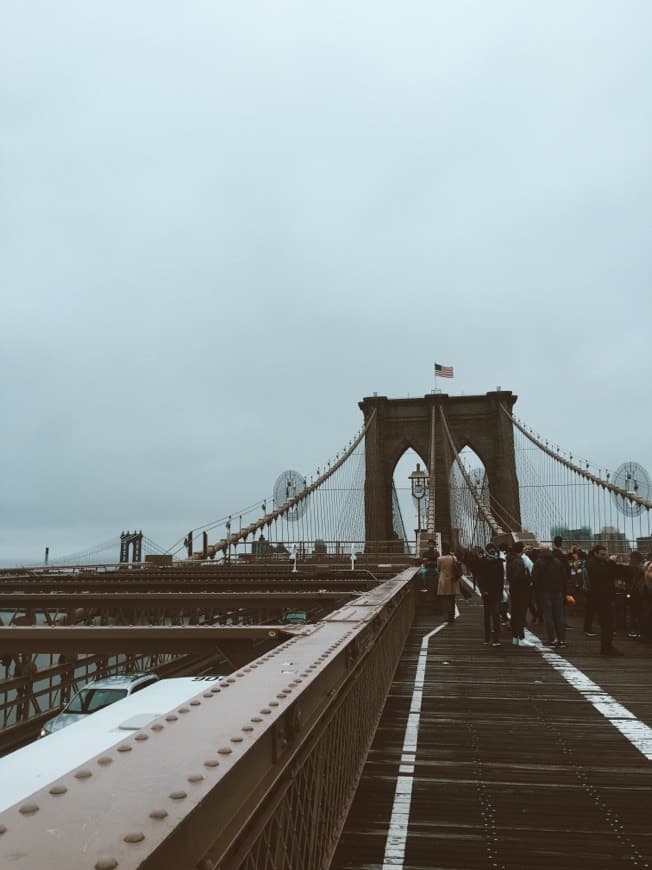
95,696
40,763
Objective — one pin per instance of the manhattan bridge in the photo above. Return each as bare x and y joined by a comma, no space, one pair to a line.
339,721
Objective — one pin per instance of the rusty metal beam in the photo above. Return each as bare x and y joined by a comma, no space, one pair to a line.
146,639
228,600
324,567
141,583
264,764
185,571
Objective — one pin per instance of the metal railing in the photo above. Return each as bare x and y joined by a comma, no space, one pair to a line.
256,773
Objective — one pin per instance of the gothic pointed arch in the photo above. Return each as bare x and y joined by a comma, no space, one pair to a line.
396,424
413,512
405,447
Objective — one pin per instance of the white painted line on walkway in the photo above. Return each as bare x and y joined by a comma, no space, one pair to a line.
469,584
398,824
638,733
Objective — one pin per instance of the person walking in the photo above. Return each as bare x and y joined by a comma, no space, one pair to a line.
602,573
635,595
489,569
429,567
518,577
26,669
503,607
448,585
565,559
590,607
647,599
551,572
536,598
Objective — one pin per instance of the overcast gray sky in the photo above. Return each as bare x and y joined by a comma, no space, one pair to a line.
222,225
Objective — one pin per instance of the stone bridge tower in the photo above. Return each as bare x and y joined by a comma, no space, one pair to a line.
474,421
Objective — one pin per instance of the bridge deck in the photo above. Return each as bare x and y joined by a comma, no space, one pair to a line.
518,760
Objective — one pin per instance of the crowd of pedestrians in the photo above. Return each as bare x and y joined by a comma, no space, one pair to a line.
536,586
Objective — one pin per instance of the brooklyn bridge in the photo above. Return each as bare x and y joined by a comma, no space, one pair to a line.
339,719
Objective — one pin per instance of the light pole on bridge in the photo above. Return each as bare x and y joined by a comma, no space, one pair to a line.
419,486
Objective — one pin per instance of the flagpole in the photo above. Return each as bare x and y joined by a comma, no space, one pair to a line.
434,368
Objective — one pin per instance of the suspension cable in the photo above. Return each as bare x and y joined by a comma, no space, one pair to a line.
598,481
482,508
284,509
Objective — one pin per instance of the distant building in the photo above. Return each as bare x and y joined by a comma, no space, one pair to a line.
644,545
262,548
583,537
614,540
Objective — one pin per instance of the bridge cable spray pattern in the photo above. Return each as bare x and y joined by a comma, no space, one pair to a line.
565,496
479,515
549,500
483,510
293,507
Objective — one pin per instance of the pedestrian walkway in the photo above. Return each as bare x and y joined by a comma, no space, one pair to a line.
506,758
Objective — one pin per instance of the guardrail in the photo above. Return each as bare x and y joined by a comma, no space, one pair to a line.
256,773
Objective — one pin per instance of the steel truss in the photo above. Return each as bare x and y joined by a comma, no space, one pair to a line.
255,773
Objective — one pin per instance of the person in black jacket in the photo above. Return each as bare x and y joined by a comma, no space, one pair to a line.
490,576
602,572
551,572
518,578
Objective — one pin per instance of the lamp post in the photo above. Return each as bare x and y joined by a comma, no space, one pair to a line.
419,487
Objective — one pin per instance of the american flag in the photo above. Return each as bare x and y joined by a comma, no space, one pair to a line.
443,371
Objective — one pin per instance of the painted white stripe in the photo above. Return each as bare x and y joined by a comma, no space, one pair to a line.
398,823
469,584
638,733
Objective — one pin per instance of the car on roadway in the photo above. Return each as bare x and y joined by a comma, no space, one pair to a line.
295,617
44,762
95,696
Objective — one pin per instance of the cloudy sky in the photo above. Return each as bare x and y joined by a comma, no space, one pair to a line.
222,225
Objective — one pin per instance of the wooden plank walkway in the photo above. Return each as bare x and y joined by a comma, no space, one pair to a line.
519,762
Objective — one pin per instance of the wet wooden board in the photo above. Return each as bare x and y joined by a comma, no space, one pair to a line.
514,768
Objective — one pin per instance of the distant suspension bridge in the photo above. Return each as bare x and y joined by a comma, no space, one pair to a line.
558,493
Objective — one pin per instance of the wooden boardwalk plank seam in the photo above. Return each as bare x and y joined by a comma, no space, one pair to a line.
514,767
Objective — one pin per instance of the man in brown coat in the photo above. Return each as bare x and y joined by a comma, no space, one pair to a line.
449,584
